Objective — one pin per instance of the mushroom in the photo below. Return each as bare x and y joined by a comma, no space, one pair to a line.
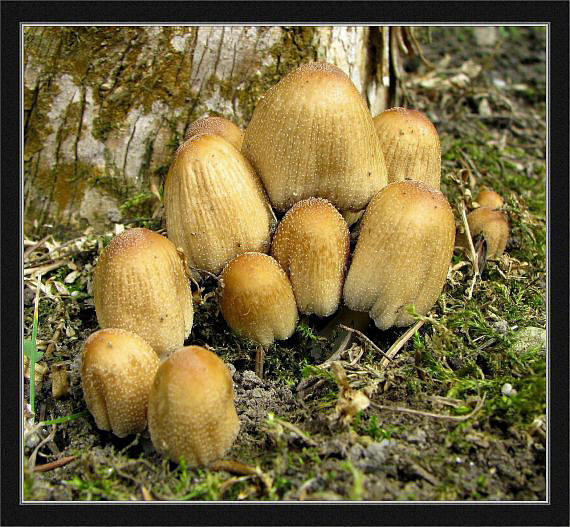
489,198
402,254
410,144
351,217
494,227
141,285
191,413
218,126
311,244
117,371
312,135
215,205
257,301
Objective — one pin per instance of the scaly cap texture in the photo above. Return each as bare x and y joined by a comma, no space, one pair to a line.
191,412
117,371
402,254
312,135
410,144
311,244
215,205
257,299
141,285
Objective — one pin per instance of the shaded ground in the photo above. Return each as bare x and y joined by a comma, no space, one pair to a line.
489,108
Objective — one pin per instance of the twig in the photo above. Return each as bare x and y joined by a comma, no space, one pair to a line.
35,246
399,344
340,350
470,162
54,464
456,418
32,460
365,338
45,268
471,249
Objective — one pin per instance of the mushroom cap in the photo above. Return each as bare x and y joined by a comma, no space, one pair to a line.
311,244
312,135
402,255
117,371
216,207
191,412
493,225
257,299
410,144
489,198
216,126
140,285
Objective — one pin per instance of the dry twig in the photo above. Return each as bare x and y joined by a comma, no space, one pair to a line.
54,464
471,249
365,338
399,344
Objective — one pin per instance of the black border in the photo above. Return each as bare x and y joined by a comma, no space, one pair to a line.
13,13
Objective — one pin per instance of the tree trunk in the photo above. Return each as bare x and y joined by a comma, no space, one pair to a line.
106,107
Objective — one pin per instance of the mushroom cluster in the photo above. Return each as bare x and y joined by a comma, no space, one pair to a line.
313,153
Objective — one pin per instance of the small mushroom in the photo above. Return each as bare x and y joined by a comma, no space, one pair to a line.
489,198
312,135
191,413
117,371
215,205
410,144
257,301
402,254
311,244
141,285
218,126
494,227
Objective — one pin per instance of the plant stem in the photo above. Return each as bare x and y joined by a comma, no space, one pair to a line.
33,358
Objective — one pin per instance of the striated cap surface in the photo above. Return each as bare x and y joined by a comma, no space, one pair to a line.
402,254
117,372
312,135
216,207
493,225
410,144
257,299
140,285
311,244
191,411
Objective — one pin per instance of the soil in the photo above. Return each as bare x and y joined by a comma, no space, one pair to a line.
289,427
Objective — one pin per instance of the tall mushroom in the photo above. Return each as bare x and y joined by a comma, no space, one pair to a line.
311,244
117,371
312,135
215,205
257,301
402,254
141,285
410,144
191,412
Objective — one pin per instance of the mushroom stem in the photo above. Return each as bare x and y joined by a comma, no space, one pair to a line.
259,361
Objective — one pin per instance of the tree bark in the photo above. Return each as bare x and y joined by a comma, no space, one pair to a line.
106,107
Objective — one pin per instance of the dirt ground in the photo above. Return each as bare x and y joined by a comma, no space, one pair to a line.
458,414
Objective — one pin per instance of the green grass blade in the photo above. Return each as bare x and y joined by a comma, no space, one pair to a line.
65,418
33,357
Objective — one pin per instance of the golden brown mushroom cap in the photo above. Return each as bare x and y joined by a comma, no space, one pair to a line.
410,144
311,244
402,254
141,285
215,205
117,371
493,225
191,412
489,198
257,299
312,135
217,126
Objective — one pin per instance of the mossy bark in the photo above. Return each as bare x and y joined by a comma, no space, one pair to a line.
106,107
